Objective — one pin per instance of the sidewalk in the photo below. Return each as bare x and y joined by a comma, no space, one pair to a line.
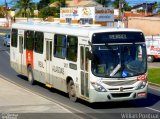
14,99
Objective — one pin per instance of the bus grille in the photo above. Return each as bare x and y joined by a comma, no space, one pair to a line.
120,83
117,95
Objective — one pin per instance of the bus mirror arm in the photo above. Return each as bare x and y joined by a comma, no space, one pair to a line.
90,55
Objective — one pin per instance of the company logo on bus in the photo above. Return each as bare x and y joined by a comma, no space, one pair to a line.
154,49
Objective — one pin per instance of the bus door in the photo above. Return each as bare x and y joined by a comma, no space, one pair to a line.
21,53
48,60
84,62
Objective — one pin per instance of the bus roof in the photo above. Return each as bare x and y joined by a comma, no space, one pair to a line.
69,29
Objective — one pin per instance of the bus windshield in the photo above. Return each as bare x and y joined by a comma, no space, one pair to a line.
119,61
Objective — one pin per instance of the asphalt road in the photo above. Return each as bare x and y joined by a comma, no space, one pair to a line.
112,110
155,64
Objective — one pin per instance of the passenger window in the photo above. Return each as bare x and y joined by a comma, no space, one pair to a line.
29,40
60,46
14,37
38,42
72,44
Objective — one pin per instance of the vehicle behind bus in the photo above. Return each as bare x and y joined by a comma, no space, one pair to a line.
153,47
96,64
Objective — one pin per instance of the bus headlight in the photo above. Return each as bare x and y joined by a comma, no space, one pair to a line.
142,85
98,87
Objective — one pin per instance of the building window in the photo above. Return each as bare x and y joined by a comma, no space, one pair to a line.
14,35
38,42
72,44
60,46
86,21
69,20
29,40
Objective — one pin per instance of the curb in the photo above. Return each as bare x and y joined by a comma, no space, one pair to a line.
154,84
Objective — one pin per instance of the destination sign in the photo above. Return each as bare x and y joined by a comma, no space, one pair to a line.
117,37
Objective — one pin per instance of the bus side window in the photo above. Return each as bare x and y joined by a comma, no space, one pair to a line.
60,46
29,40
82,57
38,42
72,44
86,58
14,36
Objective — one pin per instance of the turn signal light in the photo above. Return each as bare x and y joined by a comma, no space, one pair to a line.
142,77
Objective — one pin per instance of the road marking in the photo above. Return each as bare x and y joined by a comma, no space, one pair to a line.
152,109
55,101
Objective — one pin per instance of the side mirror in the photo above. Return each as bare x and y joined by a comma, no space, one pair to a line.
90,55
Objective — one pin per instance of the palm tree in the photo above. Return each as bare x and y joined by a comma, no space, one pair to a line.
25,7
2,12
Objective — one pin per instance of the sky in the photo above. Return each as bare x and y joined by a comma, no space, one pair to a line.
134,2
130,2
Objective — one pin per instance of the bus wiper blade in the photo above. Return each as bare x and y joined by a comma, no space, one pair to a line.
115,70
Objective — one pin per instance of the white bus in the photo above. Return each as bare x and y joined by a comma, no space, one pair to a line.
153,47
93,63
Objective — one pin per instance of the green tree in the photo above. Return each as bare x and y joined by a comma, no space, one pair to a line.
43,3
103,2
116,4
63,3
25,7
156,6
49,11
2,12
127,7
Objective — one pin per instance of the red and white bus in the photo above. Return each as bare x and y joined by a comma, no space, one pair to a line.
90,62
153,47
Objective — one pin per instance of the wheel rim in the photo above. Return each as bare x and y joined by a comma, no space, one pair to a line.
72,91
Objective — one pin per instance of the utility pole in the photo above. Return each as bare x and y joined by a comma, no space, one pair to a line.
121,6
6,10
146,9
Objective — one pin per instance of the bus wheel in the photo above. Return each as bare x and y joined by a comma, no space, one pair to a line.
150,58
72,91
30,76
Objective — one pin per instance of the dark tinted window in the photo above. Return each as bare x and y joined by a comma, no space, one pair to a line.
60,46
14,37
72,43
38,42
29,40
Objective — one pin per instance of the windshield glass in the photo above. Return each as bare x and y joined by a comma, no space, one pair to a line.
119,60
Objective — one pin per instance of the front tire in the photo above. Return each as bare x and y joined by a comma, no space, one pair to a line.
72,91
30,76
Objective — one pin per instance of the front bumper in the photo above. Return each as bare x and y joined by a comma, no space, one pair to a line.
117,95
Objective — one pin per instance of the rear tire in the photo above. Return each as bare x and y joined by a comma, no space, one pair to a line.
30,76
72,91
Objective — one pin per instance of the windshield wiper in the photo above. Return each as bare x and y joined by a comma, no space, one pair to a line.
115,70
